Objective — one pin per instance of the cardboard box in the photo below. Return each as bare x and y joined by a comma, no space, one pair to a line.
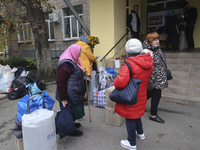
110,63
18,143
109,103
112,118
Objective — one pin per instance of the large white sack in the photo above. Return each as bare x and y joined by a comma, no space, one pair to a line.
38,129
7,78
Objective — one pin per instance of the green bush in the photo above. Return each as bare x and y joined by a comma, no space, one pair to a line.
24,62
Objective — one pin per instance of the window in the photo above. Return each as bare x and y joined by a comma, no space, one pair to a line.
71,27
24,32
50,27
50,30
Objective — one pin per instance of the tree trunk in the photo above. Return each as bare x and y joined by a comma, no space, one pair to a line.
38,25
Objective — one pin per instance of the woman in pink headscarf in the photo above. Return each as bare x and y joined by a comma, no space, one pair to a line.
70,83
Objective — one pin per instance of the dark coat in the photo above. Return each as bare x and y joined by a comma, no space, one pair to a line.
75,84
172,29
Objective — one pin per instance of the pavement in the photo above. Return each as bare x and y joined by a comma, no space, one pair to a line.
181,131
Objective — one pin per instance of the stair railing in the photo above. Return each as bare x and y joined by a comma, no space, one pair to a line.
126,34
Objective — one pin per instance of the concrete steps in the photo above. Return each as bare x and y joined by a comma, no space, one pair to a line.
185,85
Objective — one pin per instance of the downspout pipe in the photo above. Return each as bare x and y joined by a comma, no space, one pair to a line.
77,16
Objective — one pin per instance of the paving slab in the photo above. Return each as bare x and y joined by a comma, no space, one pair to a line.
181,131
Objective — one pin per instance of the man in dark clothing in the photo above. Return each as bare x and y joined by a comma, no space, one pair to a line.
190,20
134,22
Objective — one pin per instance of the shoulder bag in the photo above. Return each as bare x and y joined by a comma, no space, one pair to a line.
169,74
129,94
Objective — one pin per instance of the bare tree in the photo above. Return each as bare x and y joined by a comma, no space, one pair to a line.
36,18
35,15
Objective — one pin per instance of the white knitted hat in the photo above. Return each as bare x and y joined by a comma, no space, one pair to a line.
133,46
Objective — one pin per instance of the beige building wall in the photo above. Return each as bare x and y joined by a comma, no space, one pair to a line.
108,22
102,25
196,4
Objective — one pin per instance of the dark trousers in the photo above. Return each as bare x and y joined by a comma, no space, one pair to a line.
133,125
135,35
189,35
155,96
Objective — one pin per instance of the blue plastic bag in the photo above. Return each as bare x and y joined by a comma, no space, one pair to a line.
33,89
34,103
111,71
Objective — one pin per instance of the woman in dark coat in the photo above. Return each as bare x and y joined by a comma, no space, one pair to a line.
172,30
71,84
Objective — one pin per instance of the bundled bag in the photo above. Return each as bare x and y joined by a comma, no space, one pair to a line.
129,94
16,93
32,77
99,98
20,81
29,104
20,69
64,121
33,89
6,78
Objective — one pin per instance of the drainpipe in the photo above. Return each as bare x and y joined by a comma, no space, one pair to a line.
77,16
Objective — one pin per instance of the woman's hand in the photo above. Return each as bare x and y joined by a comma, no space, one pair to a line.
85,71
64,103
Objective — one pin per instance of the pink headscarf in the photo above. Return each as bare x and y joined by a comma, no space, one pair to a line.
72,53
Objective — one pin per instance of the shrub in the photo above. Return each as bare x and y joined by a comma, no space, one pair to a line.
24,62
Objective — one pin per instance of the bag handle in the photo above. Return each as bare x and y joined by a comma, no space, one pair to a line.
129,67
33,99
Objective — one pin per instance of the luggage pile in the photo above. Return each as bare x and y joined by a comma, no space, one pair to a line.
103,80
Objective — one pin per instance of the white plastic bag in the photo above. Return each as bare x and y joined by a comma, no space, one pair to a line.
6,78
182,40
1,70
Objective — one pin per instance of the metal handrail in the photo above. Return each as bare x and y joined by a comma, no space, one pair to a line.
114,46
118,52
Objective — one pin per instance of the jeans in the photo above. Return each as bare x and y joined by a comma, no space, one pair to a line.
133,125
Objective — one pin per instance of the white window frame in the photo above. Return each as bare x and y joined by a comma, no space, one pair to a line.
24,34
49,30
63,27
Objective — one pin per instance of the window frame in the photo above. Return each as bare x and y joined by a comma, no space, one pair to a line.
70,22
19,38
49,30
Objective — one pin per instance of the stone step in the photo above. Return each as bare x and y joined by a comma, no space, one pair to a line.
184,67
185,86
180,99
182,61
183,55
185,82
183,90
186,74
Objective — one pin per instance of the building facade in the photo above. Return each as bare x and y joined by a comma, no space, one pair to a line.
106,19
